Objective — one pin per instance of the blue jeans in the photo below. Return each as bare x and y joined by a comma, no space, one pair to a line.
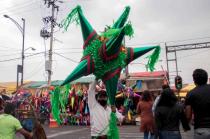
202,133
169,135
148,135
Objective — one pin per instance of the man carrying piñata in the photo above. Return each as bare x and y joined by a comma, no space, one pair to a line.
105,56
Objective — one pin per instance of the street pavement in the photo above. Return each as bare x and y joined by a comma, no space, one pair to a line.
83,132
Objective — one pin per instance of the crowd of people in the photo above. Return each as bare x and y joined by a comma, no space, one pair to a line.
160,116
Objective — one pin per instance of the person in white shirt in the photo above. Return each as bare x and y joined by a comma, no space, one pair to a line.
99,112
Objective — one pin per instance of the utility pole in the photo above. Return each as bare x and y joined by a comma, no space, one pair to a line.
23,47
45,34
51,45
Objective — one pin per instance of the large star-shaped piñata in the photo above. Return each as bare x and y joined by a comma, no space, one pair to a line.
105,55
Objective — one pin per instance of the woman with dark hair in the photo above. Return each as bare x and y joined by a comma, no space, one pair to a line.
168,115
144,108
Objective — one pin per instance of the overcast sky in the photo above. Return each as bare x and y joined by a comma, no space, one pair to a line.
154,22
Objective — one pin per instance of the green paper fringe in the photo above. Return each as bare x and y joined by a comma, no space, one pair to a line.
153,59
112,32
72,17
63,97
113,132
55,104
103,67
59,97
67,89
129,30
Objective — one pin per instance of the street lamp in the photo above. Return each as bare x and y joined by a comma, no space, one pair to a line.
32,48
19,67
22,30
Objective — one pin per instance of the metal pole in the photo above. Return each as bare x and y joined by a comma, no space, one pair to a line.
23,45
51,46
178,90
167,63
126,68
17,78
165,76
176,63
22,30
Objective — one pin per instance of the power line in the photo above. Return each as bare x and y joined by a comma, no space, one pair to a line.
1,46
6,50
37,70
181,57
17,8
28,63
69,48
199,38
66,58
11,54
25,11
170,41
70,52
12,59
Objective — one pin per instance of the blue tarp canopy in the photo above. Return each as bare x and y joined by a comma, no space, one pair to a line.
38,84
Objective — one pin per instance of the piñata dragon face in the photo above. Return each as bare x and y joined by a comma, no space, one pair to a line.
105,55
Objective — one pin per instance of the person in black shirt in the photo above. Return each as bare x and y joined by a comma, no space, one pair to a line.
168,115
198,102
